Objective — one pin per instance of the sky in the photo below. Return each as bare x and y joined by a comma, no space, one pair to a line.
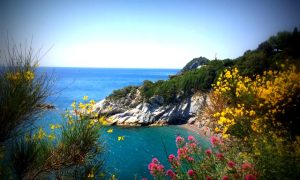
143,34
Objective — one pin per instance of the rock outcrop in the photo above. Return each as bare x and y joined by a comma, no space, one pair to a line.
132,110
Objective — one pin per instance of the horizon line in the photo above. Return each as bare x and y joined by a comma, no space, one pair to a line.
107,67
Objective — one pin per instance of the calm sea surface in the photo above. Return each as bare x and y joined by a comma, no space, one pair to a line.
128,158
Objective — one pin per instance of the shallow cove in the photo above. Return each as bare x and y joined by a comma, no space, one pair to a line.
122,158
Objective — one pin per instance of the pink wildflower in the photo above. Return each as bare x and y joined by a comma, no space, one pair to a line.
193,145
155,160
144,179
170,173
160,167
214,140
208,178
156,168
179,139
171,157
190,159
152,166
220,156
250,177
191,138
231,164
246,166
191,173
208,152
225,178
182,152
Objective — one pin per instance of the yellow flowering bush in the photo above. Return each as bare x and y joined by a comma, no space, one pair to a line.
253,104
260,113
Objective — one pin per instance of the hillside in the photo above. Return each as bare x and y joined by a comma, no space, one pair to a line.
173,100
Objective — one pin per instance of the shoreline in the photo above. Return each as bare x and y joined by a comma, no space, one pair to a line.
203,131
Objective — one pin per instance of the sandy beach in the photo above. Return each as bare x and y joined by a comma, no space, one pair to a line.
201,131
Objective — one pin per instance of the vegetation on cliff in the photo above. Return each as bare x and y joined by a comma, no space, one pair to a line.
276,50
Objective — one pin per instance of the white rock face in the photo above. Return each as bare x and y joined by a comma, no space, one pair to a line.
152,113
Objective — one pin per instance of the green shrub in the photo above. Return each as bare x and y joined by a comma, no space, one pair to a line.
22,90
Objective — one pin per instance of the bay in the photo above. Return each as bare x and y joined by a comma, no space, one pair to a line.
129,158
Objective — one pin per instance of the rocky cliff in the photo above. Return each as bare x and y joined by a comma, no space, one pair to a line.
132,110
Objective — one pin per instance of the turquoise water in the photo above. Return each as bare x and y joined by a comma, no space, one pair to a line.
124,158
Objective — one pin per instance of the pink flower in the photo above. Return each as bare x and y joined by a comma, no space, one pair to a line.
220,156
225,178
231,164
175,163
246,166
144,179
214,140
156,168
182,152
191,138
171,157
208,152
160,168
191,172
152,166
193,145
179,140
208,178
155,160
250,177
170,173
190,159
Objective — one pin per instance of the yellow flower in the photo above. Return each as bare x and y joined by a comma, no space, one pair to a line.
92,122
92,102
40,134
217,129
91,175
55,126
252,113
110,130
81,105
120,138
228,74
51,137
29,75
85,98
73,104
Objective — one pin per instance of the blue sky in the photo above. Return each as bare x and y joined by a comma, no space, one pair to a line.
144,34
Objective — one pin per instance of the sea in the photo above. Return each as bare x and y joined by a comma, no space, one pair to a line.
129,158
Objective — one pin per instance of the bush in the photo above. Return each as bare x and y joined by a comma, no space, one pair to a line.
191,162
22,90
68,150
119,93
259,114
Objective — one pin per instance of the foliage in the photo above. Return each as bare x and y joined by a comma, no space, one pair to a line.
276,50
185,84
260,113
69,150
119,93
22,89
195,63
192,162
